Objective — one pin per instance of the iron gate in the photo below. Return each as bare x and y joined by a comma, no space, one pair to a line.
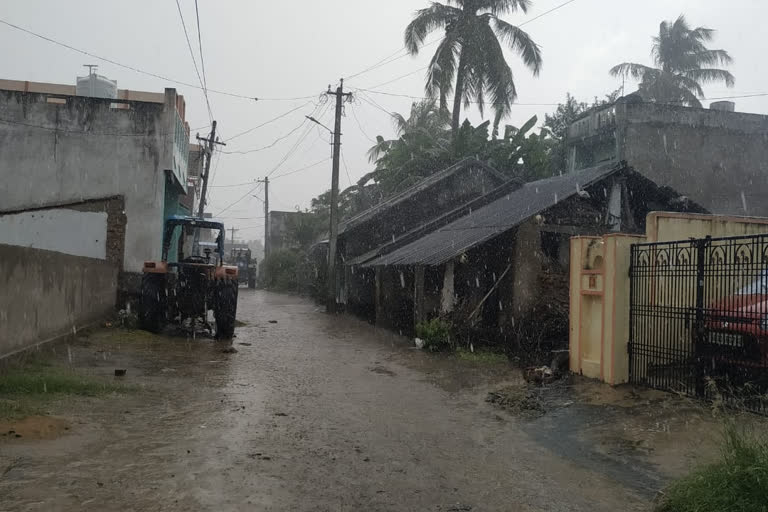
699,318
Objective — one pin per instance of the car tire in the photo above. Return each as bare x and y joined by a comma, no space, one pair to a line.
225,310
152,307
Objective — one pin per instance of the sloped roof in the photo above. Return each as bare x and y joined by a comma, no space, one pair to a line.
418,187
493,219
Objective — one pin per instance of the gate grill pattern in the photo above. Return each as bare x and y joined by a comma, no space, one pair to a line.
699,318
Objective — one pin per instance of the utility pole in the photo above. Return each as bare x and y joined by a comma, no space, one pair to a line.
232,236
267,248
211,141
334,213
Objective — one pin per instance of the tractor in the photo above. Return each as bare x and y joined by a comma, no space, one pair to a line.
190,279
246,266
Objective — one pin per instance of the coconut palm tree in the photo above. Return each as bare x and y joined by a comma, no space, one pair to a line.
469,60
683,64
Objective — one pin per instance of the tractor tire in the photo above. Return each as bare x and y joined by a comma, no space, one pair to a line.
152,310
225,310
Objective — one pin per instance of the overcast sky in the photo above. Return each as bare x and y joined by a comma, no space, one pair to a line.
295,49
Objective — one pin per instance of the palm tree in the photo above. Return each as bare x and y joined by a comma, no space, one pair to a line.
683,64
469,60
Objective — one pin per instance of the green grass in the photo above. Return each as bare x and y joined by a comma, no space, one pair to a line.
738,482
481,356
25,389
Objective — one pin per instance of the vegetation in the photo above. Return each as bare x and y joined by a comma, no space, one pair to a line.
558,122
280,270
25,389
738,482
682,65
436,335
469,61
481,356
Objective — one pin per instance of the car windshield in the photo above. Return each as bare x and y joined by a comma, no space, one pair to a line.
758,287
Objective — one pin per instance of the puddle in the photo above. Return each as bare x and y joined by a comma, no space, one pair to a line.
34,428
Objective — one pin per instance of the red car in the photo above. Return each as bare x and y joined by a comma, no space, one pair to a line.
737,326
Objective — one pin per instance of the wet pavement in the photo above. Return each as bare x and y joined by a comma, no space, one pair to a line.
319,413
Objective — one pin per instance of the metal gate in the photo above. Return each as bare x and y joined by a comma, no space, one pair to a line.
699,318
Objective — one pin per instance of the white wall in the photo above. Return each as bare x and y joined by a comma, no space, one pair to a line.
61,230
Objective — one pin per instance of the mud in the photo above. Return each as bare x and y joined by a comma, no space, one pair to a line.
324,413
33,428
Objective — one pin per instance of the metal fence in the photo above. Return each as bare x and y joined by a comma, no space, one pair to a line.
699,318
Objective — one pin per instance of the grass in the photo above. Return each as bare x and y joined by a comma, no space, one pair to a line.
738,482
25,389
481,356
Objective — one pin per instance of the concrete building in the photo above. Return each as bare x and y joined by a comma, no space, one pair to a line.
60,149
716,157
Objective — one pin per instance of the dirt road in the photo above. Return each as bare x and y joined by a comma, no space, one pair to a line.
312,413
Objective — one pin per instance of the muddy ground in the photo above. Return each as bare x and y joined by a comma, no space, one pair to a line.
319,413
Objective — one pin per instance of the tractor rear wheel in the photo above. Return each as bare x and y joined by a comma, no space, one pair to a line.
225,309
152,310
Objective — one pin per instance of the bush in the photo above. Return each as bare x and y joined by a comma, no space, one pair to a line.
280,268
738,482
436,334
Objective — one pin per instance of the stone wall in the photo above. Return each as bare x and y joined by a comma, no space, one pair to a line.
47,295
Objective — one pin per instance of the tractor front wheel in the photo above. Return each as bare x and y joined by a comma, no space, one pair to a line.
225,309
152,310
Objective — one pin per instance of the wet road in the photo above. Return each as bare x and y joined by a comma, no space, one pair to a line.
313,413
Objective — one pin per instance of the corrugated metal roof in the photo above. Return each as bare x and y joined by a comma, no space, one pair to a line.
418,187
493,219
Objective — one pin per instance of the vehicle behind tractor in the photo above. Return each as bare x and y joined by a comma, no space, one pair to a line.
246,266
190,280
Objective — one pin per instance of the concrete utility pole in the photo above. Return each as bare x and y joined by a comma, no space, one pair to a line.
334,213
267,247
232,236
211,141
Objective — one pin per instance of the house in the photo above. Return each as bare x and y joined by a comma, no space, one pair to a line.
402,218
499,265
716,157
67,159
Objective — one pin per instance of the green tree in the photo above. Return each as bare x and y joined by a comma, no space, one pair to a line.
469,60
422,147
682,65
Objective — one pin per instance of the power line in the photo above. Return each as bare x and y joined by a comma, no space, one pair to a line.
360,125
398,78
428,98
142,71
200,46
288,154
346,169
249,130
546,12
301,169
395,56
255,150
233,185
194,62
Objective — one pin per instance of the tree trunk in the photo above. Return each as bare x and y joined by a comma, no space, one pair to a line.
457,93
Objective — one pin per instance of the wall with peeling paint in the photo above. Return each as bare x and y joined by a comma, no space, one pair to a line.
47,294
59,150
61,230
